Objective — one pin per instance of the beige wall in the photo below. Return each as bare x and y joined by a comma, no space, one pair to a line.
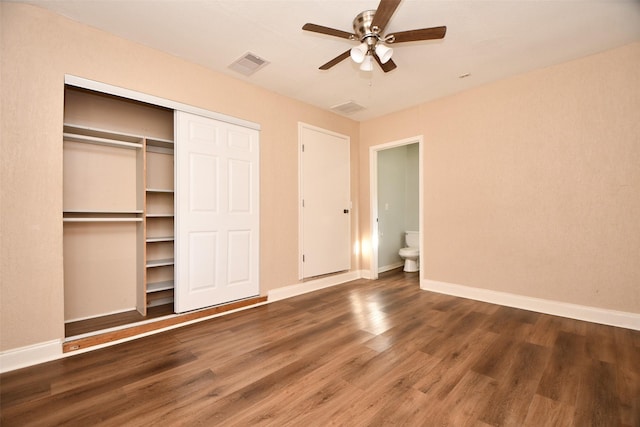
532,184
38,49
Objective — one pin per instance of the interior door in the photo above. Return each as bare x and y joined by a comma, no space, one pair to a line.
325,201
217,212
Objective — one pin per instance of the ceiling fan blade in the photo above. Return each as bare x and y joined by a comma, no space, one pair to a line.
383,14
387,66
335,60
421,34
330,31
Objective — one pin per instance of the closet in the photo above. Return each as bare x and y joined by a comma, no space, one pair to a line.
119,210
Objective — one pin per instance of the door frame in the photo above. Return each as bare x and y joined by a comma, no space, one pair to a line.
373,191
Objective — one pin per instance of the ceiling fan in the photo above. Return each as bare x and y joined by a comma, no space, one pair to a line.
368,27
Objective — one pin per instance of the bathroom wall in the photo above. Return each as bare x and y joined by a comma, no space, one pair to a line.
398,209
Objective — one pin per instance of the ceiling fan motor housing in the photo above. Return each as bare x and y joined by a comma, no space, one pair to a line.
362,28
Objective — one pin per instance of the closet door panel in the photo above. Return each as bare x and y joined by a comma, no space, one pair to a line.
217,213
203,259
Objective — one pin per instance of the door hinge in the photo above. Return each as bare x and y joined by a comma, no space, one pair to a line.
303,203
302,258
303,148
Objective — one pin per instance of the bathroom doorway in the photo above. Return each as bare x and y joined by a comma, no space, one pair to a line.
396,200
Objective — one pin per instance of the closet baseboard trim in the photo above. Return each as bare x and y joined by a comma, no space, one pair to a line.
22,357
621,319
134,331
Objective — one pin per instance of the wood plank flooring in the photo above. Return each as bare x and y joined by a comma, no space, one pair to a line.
365,353
80,327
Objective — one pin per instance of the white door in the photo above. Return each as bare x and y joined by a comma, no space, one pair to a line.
217,212
325,202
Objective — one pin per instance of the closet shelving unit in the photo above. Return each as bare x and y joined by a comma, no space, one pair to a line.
159,220
118,218
102,207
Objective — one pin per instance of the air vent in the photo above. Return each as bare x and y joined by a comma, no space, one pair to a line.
248,64
348,107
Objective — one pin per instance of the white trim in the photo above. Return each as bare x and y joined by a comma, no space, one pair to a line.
47,351
311,285
390,267
373,197
365,274
30,355
603,316
51,350
156,331
150,99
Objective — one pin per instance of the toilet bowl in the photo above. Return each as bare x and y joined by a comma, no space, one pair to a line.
411,253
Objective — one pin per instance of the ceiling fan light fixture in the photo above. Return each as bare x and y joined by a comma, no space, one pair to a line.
384,53
367,63
359,53
369,28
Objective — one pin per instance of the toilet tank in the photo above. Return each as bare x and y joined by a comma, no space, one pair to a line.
413,239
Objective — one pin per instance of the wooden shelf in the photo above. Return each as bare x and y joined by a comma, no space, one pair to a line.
75,133
102,212
160,239
155,299
159,190
160,213
164,145
101,216
159,286
105,219
159,262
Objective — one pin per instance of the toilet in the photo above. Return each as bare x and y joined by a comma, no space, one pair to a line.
411,253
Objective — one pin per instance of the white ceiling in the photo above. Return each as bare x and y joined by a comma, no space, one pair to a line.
490,40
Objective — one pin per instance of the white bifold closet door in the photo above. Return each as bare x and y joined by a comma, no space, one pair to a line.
217,212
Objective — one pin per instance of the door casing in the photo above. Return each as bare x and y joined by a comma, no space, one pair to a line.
373,191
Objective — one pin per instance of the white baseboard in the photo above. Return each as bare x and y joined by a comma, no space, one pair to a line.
603,316
390,267
311,285
51,350
30,355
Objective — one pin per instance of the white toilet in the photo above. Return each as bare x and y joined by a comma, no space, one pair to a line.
411,254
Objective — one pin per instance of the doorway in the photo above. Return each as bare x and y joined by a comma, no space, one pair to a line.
381,257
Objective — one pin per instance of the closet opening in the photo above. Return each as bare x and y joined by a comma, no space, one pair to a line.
118,207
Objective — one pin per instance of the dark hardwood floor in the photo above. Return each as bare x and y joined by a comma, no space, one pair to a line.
99,323
364,353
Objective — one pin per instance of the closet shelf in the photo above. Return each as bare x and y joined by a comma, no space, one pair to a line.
164,145
89,135
159,286
101,212
95,215
160,215
101,219
159,262
159,239
160,190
